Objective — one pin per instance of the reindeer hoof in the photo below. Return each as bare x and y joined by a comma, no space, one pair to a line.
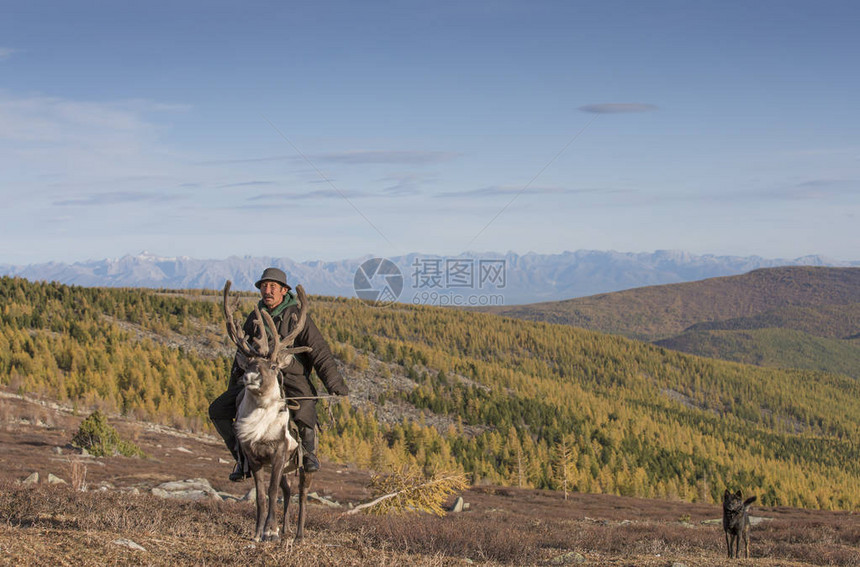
271,536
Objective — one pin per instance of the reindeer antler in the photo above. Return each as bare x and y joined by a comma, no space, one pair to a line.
236,334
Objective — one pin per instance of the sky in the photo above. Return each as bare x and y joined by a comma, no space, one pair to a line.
333,130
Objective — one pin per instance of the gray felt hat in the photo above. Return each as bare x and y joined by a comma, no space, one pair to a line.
273,275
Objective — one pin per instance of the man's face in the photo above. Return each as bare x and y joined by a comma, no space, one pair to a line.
272,293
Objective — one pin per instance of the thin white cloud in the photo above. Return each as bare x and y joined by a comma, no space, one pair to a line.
499,190
115,198
402,185
817,189
851,151
249,160
56,121
617,108
399,157
72,143
320,194
352,157
246,184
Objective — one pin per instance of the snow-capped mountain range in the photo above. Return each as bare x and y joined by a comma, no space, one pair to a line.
515,278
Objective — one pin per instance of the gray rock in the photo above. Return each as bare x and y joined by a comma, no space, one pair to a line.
192,489
569,558
32,479
458,505
55,479
129,544
185,494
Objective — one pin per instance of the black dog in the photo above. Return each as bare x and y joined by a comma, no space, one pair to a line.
736,521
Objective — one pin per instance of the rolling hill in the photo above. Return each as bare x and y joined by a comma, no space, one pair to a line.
789,317
658,312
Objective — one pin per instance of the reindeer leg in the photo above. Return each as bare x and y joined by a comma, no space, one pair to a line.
270,532
305,480
259,486
285,490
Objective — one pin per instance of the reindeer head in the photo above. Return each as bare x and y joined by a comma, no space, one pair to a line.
256,357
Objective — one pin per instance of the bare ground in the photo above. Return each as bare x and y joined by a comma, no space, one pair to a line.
46,524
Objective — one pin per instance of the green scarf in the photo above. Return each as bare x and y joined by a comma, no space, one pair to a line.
289,299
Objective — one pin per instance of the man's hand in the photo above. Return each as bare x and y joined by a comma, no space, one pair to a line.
341,390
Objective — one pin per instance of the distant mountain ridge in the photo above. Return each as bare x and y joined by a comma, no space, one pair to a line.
658,312
529,277
789,317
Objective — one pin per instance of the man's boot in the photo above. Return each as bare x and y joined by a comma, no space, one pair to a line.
238,474
241,470
310,463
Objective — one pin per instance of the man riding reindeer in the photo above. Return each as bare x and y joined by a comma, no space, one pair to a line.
277,299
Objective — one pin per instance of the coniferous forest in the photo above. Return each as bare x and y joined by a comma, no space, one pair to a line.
524,403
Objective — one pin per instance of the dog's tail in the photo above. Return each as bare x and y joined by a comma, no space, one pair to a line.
749,501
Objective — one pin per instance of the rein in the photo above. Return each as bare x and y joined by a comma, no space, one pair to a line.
312,397
291,403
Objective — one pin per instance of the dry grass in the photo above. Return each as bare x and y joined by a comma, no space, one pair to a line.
56,525
62,525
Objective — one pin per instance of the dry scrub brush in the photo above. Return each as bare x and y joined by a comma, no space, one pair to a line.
408,490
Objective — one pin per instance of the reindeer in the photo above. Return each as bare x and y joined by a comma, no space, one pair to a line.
262,418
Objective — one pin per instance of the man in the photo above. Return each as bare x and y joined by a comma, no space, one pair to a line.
275,297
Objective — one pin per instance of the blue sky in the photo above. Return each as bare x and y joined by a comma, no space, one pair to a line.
331,130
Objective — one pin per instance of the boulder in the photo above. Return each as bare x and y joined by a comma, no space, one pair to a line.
129,544
32,479
458,505
55,479
191,489
569,558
